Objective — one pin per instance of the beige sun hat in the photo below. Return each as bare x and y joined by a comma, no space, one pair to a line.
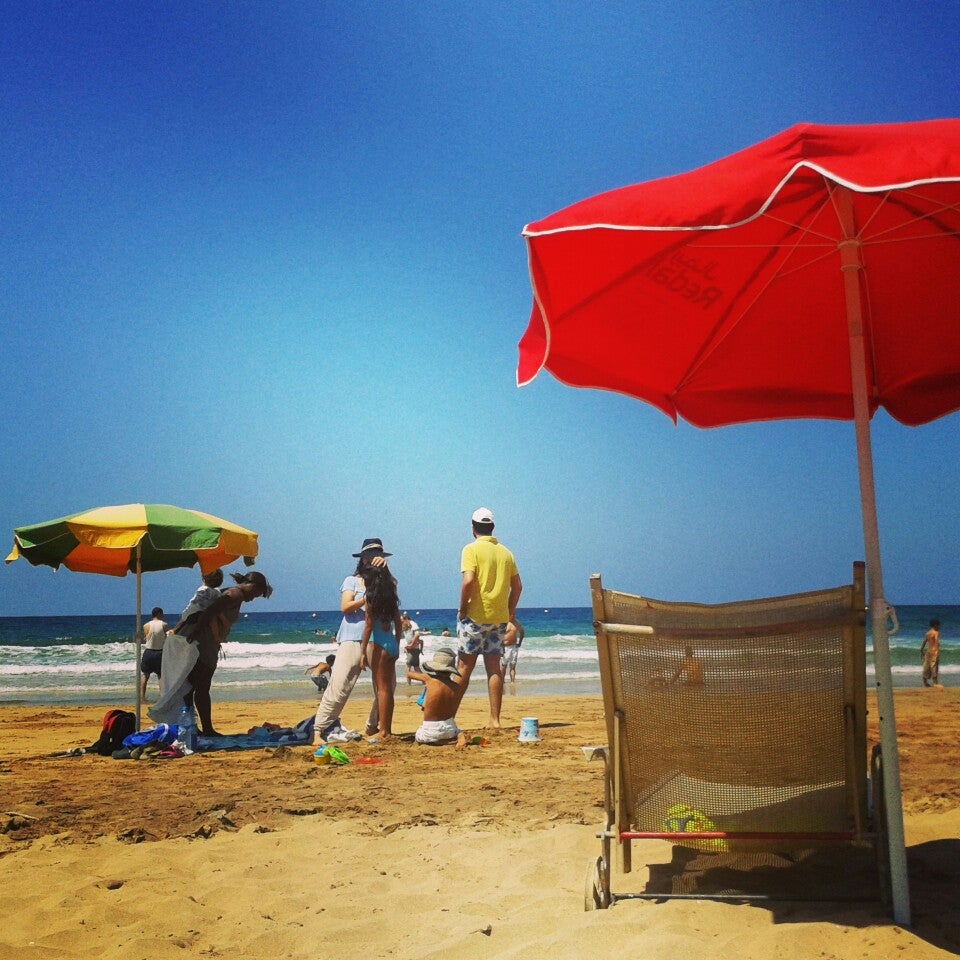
444,661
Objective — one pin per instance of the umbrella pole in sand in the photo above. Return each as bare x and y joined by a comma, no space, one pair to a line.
852,266
139,635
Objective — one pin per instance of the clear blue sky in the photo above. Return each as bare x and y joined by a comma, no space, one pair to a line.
264,260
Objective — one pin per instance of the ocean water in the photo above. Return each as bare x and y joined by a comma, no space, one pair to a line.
91,660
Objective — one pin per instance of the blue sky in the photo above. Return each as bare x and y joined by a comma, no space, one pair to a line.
264,260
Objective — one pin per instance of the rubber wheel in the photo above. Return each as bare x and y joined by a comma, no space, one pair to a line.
592,894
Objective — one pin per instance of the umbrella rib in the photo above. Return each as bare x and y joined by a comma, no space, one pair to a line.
807,229
933,217
615,282
944,235
806,226
944,229
918,216
781,273
832,196
727,323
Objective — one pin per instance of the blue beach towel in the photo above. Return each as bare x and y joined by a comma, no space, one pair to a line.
260,737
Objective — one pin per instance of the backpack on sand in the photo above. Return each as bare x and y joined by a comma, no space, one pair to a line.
117,724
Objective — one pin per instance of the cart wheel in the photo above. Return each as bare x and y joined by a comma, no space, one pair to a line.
879,816
593,898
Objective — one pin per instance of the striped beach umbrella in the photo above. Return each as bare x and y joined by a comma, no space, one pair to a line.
134,537
106,540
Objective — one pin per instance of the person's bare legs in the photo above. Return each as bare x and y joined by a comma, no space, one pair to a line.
373,720
384,670
201,677
491,661
465,664
494,688
203,703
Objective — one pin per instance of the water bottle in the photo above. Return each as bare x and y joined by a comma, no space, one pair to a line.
187,731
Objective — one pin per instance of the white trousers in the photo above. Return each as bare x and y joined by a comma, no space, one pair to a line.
343,678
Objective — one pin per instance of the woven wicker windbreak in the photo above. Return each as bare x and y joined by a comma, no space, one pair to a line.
739,717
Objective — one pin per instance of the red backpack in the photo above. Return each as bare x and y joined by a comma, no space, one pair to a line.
117,724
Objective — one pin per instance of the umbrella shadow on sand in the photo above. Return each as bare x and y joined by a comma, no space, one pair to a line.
847,875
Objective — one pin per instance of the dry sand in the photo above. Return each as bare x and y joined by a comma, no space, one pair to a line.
429,853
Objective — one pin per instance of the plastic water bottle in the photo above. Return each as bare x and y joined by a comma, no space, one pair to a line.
187,731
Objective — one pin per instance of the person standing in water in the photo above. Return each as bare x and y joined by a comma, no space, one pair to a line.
151,660
930,652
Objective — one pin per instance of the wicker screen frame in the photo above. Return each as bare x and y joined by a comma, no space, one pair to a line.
773,741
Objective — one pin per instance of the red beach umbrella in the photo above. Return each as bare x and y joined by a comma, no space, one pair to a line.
813,275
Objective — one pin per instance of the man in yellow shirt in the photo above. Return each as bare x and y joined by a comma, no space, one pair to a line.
489,595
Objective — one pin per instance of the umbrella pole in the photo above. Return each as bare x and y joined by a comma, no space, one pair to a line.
139,635
851,266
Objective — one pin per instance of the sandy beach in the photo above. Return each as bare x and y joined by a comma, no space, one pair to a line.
422,853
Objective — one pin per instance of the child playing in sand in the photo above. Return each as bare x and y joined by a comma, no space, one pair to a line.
444,691
320,672
382,615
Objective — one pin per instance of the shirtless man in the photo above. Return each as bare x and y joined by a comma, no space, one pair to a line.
691,669
512,641
412,642
445,688
930,651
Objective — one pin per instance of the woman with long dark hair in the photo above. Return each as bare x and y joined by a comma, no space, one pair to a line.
380,645
346,668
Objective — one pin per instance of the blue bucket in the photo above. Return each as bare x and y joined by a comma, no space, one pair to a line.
529,730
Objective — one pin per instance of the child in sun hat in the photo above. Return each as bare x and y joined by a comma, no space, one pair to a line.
445,688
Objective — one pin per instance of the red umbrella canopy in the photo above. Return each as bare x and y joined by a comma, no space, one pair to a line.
718,295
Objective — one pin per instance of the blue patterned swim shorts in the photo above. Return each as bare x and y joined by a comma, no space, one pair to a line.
476,638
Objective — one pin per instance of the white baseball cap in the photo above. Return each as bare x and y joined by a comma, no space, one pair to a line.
482,515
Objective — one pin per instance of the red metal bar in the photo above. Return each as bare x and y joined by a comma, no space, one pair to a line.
735,835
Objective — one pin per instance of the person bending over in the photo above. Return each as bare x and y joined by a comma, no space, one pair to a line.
210,633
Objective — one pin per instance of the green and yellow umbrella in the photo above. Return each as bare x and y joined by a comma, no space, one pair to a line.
105,540
134,537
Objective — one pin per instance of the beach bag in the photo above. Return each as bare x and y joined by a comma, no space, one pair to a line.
164,733
117,724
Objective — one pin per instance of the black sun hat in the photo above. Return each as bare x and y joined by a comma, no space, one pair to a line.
373,547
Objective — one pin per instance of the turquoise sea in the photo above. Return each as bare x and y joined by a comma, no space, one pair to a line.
90,659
